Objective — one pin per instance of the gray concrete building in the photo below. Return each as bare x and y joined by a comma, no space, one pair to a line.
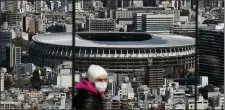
100,24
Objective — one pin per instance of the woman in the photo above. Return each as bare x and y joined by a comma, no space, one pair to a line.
91,90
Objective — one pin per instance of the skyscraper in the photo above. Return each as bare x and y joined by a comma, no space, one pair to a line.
5,41
13,56
211,55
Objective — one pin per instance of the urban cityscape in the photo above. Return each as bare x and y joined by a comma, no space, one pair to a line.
154,57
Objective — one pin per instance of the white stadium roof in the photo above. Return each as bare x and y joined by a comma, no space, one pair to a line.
157,40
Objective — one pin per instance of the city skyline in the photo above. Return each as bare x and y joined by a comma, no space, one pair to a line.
154,56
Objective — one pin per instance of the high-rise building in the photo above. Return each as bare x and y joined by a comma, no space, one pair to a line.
9,5
155,23
137,21
2,81
13,56
211,55
158,23
5,41
15,19
2,5
36,25
13,5
155,78
79,5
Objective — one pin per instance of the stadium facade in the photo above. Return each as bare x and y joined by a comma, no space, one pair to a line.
142,56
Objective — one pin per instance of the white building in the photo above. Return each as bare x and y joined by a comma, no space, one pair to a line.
15,55
112,84
65,67
3,71
203,80
58,105
137,3
137,21
202,104
64,80
124,15
2,81
64,77
170,105
8,105
188,27
2,6
158,23
70,7
79,5
154,23
39,5
143,93
127,92
178,95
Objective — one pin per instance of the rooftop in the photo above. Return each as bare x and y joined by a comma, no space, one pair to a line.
136,40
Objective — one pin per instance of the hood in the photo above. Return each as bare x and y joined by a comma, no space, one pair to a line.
86,85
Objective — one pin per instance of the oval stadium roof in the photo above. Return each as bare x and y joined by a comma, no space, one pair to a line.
157,40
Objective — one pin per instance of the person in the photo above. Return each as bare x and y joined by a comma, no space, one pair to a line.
91,90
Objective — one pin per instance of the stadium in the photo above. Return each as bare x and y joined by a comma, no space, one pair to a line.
128,53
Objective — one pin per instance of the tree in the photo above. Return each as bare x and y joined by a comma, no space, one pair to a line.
214,102
121,30
204,91
36,80
30,35
175,74
80,29
209,108
179,71
160,108
20,42
184,73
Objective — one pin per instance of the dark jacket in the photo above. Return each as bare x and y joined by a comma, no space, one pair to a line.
87,98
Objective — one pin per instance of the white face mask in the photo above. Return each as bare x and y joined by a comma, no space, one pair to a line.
101,86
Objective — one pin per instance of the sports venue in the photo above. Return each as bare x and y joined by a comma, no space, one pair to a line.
143,56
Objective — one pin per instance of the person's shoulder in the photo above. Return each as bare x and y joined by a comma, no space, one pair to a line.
85,92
